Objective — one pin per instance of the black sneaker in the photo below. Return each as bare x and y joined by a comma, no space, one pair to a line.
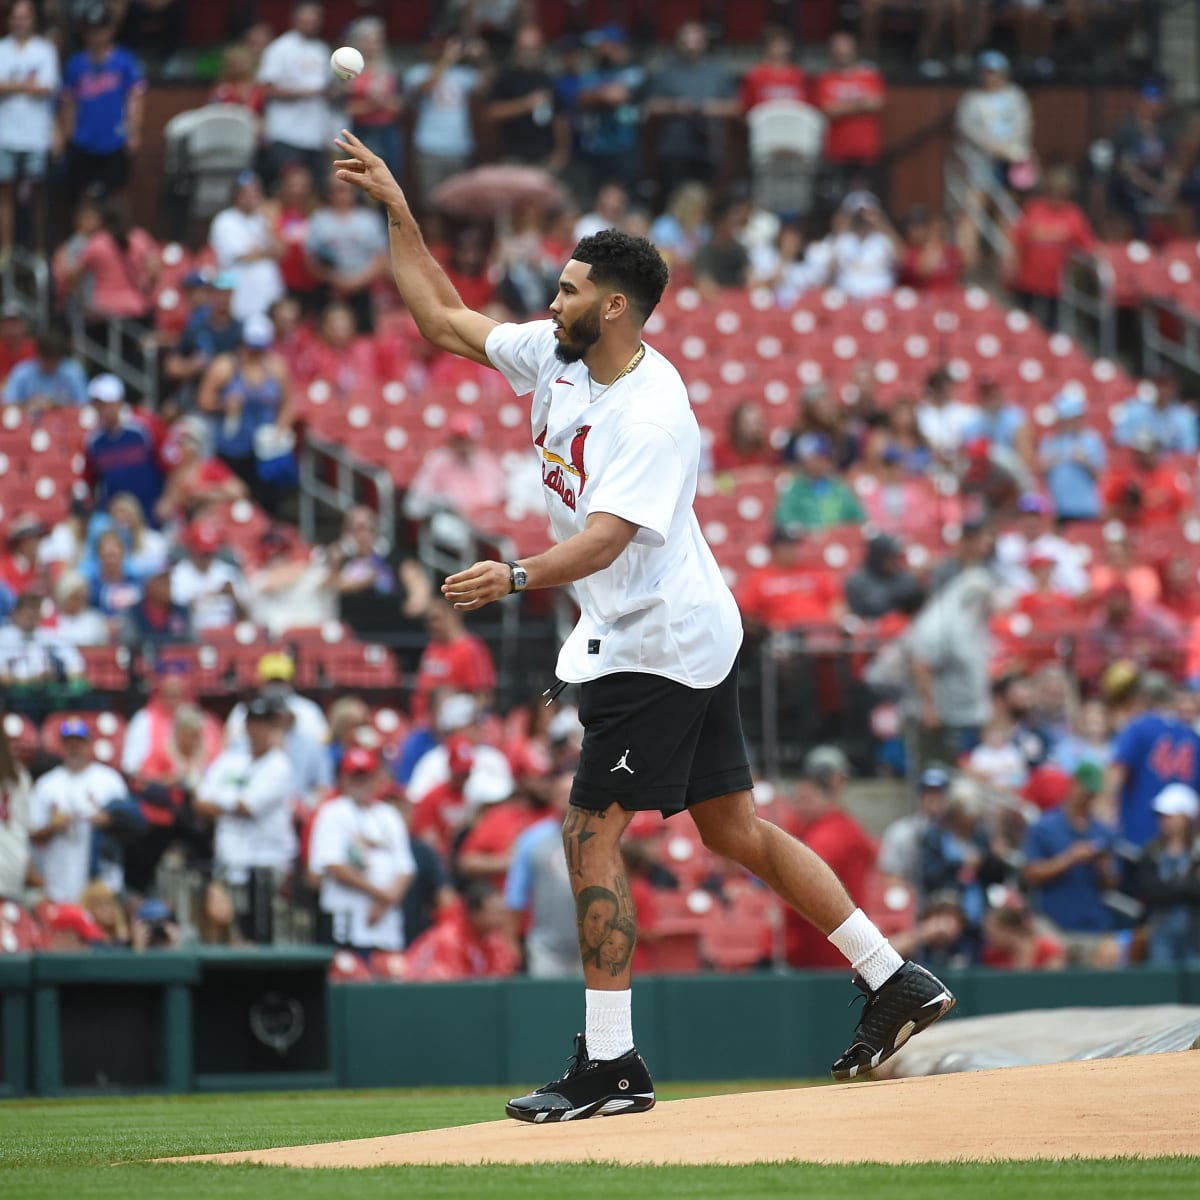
590,1088
907,1003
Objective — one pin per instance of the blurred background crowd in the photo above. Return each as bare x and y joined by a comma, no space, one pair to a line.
950,467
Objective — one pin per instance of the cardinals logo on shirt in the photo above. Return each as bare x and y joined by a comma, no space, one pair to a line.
556,470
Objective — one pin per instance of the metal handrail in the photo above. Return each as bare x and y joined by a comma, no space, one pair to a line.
109,355
34,301
962,196
1088,289
351,474
1182,353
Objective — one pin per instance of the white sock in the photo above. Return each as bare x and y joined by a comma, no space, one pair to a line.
866,949
609,1024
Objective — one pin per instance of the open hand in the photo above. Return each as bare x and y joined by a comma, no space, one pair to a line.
478,585
366,170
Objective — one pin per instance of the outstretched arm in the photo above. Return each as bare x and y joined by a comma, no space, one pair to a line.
437,308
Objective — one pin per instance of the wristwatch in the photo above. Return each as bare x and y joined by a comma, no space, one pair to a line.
518,577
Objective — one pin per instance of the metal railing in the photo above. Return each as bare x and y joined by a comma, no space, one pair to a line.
1161,347
1087,303
137,370
25,281
981,199
352,480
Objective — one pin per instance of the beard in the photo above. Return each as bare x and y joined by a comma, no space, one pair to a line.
580,337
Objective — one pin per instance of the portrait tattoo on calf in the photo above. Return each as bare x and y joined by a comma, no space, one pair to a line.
607,926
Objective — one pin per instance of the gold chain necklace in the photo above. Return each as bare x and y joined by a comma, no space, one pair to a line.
631,365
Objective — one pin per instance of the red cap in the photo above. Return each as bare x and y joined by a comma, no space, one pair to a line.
1042,558
461,755
204,538
70,918
463,425
1048,786
359,760
977,448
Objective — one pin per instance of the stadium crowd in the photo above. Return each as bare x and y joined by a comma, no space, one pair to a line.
1036,671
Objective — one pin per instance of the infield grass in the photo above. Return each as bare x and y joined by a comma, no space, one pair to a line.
65,1150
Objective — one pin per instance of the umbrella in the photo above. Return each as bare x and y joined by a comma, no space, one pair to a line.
494,192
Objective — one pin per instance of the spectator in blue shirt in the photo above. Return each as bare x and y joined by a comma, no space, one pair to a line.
1000,422
1171,421
101,112
211,329
123,453
1073,458
1069,866
1156,748
49,380
609,112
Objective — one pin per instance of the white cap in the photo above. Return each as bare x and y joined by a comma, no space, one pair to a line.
258,332
108,389
1177,799
456,712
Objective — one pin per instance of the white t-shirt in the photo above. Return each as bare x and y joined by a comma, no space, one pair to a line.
310,720
864,267
64,860
27,122
1004,767
944,427
663,606
294,61
25,656
15,824
490,780
1014,550
257,284
202,592
374,840
265,786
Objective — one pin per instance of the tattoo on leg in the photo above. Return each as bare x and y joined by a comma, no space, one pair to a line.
576,832
617,948
596,911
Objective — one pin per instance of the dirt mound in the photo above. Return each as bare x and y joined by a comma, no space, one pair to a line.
1144,1106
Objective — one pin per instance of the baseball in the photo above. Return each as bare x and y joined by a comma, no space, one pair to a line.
346,62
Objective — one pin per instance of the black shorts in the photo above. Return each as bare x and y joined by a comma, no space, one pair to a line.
651,743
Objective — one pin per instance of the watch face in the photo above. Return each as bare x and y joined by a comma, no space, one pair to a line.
520,577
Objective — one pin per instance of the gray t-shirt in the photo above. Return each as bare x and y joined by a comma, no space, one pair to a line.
347,241
698,81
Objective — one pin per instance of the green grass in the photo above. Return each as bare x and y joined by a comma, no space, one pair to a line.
67,1148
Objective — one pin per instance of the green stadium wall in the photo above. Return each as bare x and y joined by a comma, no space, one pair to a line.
178,1022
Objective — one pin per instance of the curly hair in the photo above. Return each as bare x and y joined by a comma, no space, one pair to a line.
623,263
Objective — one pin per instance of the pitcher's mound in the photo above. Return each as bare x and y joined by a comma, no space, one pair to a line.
1143,1107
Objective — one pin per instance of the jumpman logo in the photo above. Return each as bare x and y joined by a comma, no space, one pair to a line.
622,764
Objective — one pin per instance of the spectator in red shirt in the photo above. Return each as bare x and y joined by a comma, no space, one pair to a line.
786,595
289,214
443,810
454,660
746,444
1124,629
236,84
15,343
1046,601
820,821
1012,942
347,362
195,480
851,95
20,570
775,76
469,941
1149,490
1179,593
1050,228
486,851
935,260
466,265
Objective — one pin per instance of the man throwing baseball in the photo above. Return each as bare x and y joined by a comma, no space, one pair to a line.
655,649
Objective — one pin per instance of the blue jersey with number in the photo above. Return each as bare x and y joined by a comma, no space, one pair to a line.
1155,749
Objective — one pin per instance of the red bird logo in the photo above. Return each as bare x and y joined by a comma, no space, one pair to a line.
577,454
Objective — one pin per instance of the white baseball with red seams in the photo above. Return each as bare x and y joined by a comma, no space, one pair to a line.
347,62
